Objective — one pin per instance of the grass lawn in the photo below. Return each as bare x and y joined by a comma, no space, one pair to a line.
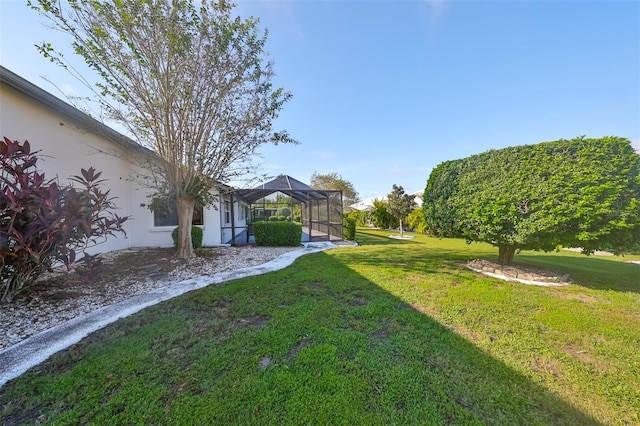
391,332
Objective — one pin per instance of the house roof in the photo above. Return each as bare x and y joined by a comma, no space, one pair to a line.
57,105
367,204
288,186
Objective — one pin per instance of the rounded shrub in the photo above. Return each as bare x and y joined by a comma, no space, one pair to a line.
196,237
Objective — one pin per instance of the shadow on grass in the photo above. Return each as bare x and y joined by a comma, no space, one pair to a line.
590,272
315,343
377,237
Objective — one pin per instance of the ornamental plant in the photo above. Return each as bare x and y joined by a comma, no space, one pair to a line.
43,223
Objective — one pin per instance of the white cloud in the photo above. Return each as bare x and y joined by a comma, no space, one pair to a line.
272,167
323,155
437,7
635,143
69,89
434,9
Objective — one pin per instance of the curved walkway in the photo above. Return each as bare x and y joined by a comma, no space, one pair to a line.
17,359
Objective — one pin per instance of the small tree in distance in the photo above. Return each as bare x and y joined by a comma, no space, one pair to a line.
400,204
335,182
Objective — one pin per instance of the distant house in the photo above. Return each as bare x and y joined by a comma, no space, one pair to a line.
70,140
367,203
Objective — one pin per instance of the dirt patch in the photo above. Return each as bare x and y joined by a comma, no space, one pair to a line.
358,301
576,296
121,267
265,362
304,343
256,322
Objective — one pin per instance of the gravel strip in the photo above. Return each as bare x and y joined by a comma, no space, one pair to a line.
28,316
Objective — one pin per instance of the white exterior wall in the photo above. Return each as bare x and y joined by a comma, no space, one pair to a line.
66,147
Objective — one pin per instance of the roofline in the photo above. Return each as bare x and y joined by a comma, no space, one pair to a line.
57,105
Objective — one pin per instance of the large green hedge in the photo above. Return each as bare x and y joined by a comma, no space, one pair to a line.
577,193
277,233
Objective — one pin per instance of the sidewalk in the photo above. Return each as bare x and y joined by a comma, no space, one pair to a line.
17,359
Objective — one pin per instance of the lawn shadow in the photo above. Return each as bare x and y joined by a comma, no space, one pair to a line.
368,238
341,350
590,272
454,372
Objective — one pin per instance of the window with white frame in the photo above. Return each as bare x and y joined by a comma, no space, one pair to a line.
227,212
166,214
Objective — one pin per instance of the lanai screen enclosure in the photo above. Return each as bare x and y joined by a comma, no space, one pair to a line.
319,211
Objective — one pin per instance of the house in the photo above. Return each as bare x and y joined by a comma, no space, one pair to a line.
367,203
70,140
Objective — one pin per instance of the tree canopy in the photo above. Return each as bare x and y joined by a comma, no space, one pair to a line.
400,204
186,79
335,182
575,193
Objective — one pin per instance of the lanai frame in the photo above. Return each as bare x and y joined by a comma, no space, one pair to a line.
321,209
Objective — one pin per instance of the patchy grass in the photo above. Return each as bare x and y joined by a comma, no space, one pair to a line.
391,332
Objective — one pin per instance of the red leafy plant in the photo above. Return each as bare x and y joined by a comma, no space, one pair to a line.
43,224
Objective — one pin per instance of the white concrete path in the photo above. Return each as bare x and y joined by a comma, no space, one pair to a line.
17,359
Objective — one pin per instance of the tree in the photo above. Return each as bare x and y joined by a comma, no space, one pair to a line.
380,215
42,223
186,79
576,193
416,221
335,182
399,205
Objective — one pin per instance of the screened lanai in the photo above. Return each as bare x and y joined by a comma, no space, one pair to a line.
319,211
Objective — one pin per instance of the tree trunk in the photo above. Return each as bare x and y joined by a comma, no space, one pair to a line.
401,230
185,206
505,254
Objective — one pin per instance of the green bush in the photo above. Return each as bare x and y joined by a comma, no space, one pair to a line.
285,211
360,217
196,237
277,233
417,222
349,228
273,218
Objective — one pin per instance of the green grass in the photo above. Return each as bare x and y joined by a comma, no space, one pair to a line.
391,332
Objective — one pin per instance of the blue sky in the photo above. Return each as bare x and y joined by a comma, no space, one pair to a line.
384,91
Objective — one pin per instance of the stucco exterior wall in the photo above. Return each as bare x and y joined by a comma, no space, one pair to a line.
66,147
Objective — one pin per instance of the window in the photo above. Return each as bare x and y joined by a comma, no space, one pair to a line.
227,212
242,214
166,214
